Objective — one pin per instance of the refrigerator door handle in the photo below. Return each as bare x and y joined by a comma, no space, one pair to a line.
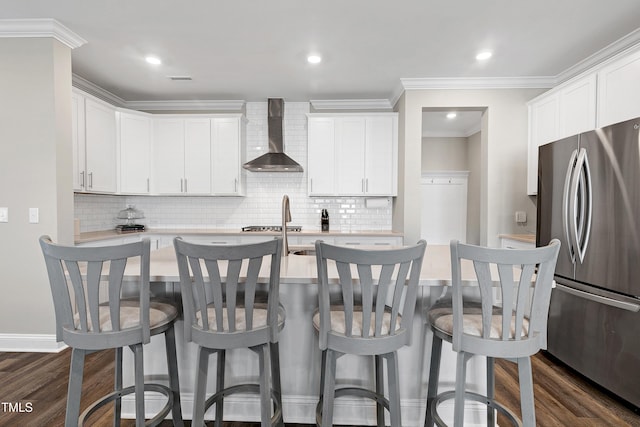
585,192
567,207
599,299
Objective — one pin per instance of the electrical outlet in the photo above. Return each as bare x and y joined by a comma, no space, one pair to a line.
34,216
4,214
521,217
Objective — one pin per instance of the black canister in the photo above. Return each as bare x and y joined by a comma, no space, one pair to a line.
324,220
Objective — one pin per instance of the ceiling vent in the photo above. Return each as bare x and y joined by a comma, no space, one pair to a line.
180,78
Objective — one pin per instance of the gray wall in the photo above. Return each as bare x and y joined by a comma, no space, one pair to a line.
444,154
35,171
474,166
503,154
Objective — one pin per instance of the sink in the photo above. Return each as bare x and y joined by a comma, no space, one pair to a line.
304,252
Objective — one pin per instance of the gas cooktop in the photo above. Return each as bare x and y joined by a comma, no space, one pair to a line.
277,228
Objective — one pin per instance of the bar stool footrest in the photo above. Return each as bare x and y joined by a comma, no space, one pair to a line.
218,397
468,395
118,394
353,391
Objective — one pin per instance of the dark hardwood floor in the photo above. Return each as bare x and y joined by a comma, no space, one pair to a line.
33,389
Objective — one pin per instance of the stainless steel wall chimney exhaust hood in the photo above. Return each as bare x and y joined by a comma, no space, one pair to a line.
275,160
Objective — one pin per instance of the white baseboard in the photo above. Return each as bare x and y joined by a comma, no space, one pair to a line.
36,343
301,410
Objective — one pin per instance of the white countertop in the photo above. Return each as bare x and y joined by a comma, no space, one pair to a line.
436,268
93,236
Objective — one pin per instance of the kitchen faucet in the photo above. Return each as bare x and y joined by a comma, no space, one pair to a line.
286,217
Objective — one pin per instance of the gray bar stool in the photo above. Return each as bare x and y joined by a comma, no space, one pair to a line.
224,309
512,328
93,315
372,316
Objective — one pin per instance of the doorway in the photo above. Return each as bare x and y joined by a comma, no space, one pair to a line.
451,174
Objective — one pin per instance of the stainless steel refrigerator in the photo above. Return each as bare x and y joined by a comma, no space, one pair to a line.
589,198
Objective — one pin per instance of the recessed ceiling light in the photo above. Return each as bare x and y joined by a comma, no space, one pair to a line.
153,60
483,55
451,115
314,59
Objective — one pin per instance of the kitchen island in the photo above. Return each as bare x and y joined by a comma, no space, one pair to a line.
299,353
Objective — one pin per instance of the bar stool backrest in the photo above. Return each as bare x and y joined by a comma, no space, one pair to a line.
516,284
219,286
80,277
377,296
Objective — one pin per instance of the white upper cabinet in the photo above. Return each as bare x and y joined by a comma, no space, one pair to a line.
353,154
181,156
100,146
619,90
135,149
564,111
227,147
577,107
321,156
78,141
197,156
381,156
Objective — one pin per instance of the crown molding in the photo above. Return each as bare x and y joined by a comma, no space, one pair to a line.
97,91
351,104
187,105
629,42
44,27
478,83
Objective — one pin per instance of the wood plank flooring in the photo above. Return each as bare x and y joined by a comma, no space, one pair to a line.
33,389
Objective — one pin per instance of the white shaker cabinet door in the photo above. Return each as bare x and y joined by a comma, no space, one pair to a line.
78,141
226,147
543,128
100,122
619,90
350,151
197,156
135,146
381,156
168,156
321,156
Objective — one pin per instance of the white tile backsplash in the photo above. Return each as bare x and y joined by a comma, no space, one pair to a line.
263,202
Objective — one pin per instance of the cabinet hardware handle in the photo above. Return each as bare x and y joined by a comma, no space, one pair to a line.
185,186
362,184
148,187
235,185
367,185
82,179
182,185
90,179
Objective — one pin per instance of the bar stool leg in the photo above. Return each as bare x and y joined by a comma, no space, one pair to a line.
274,357
526,392
222,358
75,387
174,381
201,388
394,391
139,383
434,375
491,387
379,388
265,385
329,388
117,386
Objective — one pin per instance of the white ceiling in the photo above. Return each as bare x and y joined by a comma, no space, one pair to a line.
463,125
251,50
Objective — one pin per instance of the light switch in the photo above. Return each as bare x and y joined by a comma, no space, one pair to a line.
4,214
521,217
34,216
